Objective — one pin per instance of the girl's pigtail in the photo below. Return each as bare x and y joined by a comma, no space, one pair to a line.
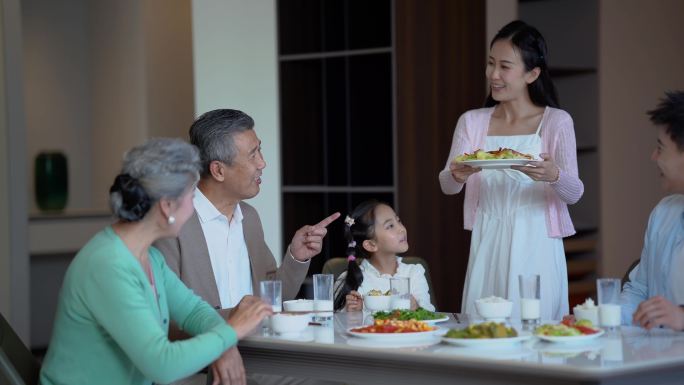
354,276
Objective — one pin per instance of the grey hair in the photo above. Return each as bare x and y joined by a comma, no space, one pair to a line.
213,134
160,168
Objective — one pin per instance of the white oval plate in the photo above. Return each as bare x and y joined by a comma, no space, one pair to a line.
396,337
418,343
570,339
437,320
498,163
485,342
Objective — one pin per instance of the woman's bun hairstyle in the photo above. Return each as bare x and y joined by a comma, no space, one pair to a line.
130,202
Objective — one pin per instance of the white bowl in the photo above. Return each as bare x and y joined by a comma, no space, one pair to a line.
494,310
590,314
377,302
286,323
299,305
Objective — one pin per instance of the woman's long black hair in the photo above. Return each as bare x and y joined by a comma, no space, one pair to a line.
533,51
362,229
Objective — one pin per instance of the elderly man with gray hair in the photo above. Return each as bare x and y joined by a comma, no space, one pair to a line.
221,253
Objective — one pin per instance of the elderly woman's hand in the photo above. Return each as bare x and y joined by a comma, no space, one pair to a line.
544,171
248,314
229,369
460,172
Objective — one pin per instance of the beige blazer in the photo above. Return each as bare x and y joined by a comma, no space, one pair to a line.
188,257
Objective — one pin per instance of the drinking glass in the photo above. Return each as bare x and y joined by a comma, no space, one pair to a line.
608,290
530,301
271,292
400,291
323,296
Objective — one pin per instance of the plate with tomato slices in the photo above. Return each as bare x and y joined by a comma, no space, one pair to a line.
394,330
568,331
579,338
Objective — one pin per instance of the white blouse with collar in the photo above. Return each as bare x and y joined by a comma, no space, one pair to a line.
372,279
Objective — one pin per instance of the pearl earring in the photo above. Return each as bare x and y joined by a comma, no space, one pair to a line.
171,219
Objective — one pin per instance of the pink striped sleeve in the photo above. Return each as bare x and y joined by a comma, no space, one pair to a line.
569,186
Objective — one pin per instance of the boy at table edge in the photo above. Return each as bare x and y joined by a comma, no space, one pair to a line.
655,294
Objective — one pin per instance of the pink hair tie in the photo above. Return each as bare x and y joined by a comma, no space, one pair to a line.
351,258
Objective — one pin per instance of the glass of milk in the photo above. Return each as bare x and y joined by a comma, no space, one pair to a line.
271,292
401,293
530,303
608,290
323,296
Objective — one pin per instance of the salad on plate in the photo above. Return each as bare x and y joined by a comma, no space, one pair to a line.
419,314
568,330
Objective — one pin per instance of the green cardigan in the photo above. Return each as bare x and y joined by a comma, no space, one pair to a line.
109,329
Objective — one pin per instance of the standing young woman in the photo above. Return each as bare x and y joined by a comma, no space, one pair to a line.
518,216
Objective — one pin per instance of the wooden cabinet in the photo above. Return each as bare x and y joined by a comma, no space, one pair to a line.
337,114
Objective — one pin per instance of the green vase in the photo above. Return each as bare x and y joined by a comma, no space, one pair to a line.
51,181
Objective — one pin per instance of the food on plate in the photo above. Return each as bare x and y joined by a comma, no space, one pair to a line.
483,330
494,307
395,326
501,153
588,304
419,314
377,293
567,328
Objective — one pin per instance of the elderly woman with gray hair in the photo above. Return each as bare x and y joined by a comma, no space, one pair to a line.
119,296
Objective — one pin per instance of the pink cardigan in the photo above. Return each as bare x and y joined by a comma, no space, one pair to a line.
558,139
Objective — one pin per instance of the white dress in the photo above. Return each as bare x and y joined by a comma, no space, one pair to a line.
510,237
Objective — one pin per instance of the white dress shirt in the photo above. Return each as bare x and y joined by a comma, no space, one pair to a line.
227,250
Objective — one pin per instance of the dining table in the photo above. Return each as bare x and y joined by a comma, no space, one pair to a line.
626,355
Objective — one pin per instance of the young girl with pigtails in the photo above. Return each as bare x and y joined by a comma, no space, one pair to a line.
375,236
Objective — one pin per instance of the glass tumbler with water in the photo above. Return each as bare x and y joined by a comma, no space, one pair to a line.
400,290
271,292
323,297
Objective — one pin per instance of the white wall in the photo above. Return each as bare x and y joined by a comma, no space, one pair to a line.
641,55
236,66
